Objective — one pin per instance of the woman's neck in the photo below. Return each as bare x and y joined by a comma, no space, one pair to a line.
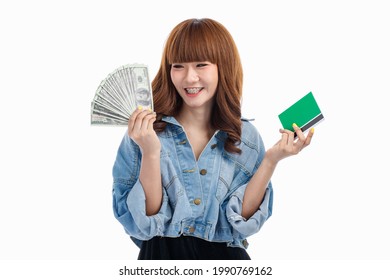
196,119
198,129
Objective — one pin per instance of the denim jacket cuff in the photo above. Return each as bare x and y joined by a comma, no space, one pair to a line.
149,226
247,227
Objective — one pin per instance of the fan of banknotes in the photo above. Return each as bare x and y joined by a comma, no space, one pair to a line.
118,95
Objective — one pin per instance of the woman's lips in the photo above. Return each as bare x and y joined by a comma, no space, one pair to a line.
193,91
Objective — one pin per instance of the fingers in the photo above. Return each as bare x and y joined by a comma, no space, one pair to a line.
287,137
294,146
303,140
309,137
148,120
140,120
140,130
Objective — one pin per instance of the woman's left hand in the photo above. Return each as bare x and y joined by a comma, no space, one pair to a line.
287,145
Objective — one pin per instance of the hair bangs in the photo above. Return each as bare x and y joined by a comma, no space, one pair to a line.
193,43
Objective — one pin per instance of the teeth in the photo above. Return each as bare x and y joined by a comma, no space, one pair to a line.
193,90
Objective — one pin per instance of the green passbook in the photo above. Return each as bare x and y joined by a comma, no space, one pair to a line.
305,113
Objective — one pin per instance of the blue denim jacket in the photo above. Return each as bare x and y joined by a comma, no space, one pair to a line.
200,198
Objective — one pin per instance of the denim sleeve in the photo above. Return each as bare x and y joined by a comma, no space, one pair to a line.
245,227
241,226
129,197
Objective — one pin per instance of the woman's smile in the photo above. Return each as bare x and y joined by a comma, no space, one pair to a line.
193,91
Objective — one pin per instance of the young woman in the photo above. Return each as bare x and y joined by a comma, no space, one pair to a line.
192,179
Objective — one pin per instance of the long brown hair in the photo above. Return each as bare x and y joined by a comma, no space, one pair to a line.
203,40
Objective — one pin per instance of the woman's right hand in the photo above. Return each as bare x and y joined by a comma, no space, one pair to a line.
140,129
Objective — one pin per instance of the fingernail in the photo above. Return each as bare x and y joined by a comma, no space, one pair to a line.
149,109
294,125
312,130
139,107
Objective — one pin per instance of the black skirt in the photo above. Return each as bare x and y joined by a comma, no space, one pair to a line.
188,248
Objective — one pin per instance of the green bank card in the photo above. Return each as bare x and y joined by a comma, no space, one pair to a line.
305,113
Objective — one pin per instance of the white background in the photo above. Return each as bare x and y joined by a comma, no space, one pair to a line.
331,201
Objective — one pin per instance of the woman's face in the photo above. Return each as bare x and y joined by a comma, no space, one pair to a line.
196,83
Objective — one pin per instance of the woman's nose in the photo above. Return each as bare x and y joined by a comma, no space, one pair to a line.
192,75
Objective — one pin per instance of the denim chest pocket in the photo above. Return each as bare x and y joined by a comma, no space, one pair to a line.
170,179
231,176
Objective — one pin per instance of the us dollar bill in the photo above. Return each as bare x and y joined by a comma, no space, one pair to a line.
120,93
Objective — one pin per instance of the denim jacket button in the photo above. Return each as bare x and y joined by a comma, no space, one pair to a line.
197,201
203,172
213,146
191,229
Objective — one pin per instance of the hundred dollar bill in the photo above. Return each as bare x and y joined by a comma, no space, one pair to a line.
120,93
143,90
102,116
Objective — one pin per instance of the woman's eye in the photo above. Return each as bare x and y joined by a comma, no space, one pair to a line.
201,65
177,66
